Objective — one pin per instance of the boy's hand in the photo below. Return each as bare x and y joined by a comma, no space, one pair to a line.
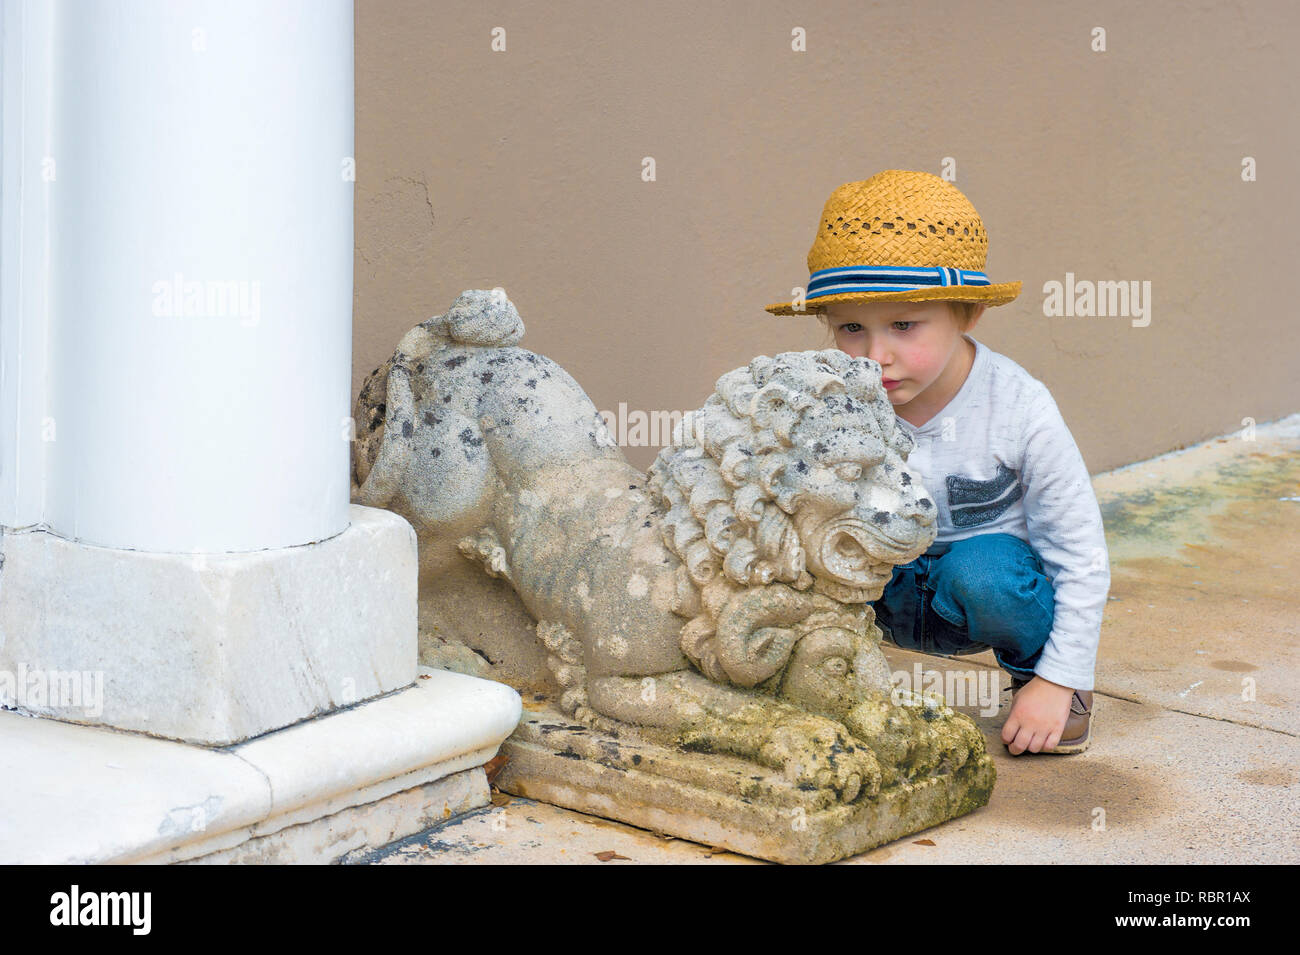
1037,717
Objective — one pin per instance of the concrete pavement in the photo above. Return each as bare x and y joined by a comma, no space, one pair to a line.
1195,757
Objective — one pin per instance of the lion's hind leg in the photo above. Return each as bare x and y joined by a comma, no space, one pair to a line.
565,660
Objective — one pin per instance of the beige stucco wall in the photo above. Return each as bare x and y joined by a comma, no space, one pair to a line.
523,169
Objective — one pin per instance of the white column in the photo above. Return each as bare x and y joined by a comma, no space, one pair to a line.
177,543
26,62
197,374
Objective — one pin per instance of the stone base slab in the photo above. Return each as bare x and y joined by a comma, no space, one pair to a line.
207,648
320,791
721,800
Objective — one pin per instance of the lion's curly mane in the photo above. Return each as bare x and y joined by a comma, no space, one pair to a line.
727,509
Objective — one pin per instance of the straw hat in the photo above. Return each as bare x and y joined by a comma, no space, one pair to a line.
900,236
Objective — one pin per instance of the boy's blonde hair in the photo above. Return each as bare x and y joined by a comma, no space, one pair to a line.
963,314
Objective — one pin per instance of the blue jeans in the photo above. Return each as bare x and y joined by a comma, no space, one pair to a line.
987,591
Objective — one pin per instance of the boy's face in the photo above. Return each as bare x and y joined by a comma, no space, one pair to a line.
915,343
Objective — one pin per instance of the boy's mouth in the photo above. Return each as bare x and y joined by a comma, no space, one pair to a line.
889,383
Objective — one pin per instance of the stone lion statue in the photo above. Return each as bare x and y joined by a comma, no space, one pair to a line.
720,602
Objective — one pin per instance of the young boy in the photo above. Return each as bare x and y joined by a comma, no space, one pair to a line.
1020,563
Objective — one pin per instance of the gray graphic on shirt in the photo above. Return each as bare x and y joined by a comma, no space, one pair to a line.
973,502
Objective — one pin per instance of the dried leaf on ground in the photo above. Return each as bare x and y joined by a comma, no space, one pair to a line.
610,855
494,766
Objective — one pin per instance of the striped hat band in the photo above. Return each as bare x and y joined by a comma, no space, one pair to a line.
888,278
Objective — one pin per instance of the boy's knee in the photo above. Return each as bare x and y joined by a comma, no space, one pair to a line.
999,573
991,546
987,557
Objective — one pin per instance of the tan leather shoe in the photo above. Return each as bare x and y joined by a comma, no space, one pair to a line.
1078,725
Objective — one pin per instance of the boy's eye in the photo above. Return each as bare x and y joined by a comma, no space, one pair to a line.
852,328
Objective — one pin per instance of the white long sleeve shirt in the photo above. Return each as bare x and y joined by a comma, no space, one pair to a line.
999,459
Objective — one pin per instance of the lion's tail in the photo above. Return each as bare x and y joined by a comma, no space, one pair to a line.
385,410
483,317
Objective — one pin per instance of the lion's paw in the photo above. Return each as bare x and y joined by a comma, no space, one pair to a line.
817,753
917,737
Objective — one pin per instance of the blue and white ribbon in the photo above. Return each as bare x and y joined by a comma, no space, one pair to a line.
888,278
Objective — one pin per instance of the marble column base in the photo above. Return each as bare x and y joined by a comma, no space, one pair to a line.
210,648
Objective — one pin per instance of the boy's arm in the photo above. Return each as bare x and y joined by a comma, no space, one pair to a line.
1065,530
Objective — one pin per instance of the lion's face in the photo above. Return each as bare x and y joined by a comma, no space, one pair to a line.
794,471
857,507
